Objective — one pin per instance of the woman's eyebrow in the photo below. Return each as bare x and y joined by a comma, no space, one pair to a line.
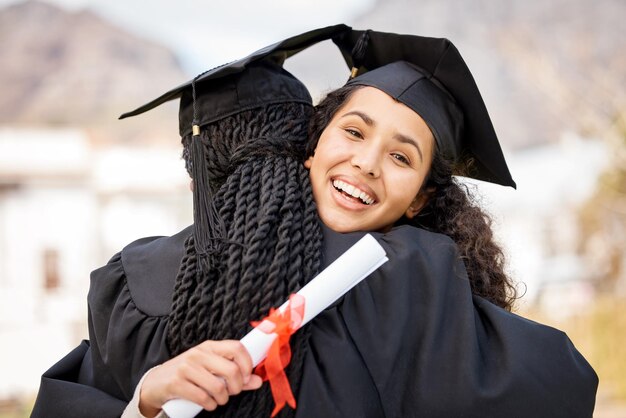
368,121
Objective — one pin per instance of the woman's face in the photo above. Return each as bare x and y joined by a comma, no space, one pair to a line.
370,163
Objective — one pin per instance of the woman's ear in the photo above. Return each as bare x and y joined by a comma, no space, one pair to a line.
308,162
418,203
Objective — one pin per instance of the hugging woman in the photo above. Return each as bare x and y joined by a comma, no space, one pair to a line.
429,334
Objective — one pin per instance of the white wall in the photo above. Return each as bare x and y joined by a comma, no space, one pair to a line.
86,204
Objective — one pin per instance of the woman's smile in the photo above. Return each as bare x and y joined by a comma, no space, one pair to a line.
349,191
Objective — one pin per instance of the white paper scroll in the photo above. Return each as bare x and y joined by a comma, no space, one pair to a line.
342,275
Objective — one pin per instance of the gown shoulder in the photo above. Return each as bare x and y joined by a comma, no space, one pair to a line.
129,301
434,349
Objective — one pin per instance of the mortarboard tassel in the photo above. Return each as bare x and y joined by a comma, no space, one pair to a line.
208,226
358,53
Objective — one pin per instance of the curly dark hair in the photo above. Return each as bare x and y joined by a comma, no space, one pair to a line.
271,245
451,210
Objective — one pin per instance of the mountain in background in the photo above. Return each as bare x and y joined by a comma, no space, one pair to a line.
75,68
543,68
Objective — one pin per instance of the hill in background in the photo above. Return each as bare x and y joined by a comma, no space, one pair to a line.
75,68
544,69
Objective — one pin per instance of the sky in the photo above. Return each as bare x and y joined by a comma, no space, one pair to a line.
196,29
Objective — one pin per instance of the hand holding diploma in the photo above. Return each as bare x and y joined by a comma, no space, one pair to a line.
209,374
358,262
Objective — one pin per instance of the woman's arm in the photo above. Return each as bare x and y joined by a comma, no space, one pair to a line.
65,390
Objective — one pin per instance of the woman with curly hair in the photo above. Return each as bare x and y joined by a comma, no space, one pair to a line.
448,205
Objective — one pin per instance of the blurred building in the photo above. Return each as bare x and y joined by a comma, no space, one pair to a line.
66,207
539,223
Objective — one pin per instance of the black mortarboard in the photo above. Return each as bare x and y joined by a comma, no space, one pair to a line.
429,76
251,82
218,95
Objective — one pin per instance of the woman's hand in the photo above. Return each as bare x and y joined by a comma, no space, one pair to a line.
207,374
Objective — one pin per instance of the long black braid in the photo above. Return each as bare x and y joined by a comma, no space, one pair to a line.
272,242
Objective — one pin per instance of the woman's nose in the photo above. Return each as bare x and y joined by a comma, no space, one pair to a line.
367,160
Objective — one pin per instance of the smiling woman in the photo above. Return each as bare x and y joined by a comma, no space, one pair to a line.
397,133
375,163
370,163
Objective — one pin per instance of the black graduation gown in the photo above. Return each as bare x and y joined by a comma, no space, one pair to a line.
409,341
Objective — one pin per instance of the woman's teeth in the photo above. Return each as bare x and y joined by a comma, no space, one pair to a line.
353,191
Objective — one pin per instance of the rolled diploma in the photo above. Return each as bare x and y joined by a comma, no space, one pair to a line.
358,262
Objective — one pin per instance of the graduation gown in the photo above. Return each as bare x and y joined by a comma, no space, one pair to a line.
409,341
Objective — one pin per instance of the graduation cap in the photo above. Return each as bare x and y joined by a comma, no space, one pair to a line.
219,92
251,82
429,76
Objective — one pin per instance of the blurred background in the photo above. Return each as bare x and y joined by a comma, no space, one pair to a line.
76,184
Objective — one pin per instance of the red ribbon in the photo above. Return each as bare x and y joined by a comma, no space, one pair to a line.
272,368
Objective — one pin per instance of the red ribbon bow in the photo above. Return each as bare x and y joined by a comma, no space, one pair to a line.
272,368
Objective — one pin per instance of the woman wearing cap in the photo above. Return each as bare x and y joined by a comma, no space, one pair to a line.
430,333
432,327
244,131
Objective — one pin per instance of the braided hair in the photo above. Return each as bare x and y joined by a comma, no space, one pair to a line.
272,238
450,210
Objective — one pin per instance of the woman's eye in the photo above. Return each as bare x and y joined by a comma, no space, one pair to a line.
401,158
354,133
